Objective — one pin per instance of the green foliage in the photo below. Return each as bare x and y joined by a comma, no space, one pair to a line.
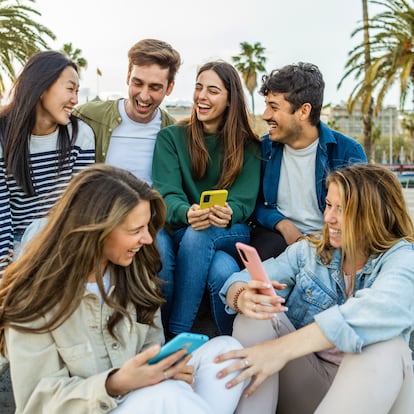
75,55
391,44
20,37
249,63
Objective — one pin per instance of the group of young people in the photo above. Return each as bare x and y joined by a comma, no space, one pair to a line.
125,253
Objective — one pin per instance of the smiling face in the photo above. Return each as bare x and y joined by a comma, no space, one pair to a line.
147,87
210,100
333,215
125,240
56,104
284,126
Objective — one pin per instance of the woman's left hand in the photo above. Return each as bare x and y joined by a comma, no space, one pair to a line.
220,216
257,362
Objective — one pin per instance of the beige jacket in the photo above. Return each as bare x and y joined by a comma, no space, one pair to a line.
64,371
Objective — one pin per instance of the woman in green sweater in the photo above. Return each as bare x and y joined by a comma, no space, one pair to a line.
214,149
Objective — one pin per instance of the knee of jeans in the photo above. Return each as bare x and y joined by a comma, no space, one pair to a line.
195,238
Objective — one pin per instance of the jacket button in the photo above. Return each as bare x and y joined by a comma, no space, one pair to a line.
104,406
115,345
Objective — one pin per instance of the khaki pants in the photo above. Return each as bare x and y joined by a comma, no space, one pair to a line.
377,380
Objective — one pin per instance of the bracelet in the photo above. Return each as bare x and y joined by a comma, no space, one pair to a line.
236,298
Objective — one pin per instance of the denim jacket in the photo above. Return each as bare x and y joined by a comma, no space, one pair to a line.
334,151
382,306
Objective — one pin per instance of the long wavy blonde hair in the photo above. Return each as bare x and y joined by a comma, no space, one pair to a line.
51,274
374,213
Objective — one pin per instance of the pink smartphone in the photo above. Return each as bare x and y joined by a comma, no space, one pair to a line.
253,263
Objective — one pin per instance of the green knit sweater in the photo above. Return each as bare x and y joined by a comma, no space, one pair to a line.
171,173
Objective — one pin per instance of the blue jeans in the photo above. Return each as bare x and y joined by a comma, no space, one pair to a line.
165,246
196,251
222,266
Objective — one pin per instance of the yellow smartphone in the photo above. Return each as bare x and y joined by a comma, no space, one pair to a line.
211,198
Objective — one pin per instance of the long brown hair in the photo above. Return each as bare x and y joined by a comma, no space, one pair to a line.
52,272
235,130
374,213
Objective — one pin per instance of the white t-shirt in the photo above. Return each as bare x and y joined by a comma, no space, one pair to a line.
94,288
296,198
132,144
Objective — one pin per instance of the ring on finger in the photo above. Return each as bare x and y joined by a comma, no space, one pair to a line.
165,375
254,307
246,362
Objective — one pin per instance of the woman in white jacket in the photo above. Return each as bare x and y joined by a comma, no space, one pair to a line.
79,310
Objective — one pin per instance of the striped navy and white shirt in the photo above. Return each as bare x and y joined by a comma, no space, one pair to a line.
17,209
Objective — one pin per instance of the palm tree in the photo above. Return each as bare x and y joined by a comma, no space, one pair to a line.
359,63
367,117
249,63
392,50
20,37
75,55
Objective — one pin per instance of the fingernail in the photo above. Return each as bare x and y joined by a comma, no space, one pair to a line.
219,375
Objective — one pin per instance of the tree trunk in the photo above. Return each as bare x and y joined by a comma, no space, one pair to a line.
367,130
367,118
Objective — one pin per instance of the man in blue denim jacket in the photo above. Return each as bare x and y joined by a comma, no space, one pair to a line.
298,152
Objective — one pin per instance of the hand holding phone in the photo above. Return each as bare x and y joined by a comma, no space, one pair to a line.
211,198
189,341
254,265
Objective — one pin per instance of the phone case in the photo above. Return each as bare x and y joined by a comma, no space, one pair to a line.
211,198
253,263
188,340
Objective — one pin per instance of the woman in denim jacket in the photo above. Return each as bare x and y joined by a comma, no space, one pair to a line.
79,311
343,313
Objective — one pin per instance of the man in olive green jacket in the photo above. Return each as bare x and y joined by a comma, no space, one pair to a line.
126,129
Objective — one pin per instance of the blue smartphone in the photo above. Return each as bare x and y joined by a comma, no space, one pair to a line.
189,341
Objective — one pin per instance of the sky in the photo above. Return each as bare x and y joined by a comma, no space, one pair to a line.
291,31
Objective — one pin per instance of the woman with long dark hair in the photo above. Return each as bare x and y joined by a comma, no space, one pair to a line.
42,144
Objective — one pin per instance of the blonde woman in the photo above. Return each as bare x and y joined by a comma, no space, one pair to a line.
339,327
